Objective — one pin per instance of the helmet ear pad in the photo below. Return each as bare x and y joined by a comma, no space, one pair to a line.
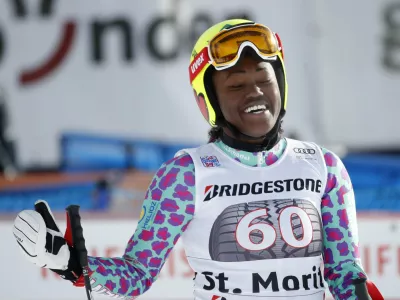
280,78
212,96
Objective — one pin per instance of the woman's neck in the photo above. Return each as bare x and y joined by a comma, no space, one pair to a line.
250,157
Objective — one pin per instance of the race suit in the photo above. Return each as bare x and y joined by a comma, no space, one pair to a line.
267,224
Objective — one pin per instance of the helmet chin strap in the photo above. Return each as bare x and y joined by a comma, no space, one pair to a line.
269,140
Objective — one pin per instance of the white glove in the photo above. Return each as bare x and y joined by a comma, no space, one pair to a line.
39,238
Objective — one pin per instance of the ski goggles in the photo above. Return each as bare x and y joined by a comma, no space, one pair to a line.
224,49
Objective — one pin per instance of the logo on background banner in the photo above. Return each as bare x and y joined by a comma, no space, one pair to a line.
210,161
218,298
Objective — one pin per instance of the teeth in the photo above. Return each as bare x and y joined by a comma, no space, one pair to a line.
255,107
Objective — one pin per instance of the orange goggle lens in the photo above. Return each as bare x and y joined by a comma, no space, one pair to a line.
225,47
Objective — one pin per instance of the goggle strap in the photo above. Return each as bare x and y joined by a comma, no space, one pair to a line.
278,38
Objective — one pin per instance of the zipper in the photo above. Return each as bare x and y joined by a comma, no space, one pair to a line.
260,156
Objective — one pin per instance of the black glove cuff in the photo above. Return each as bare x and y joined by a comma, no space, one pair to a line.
74,270
361,289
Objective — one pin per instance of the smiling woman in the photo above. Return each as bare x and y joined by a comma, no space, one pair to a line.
260,215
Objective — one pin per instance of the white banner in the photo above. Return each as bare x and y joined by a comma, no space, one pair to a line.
121,68
380,250
358,57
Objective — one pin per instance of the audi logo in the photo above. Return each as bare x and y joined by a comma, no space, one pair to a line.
304,151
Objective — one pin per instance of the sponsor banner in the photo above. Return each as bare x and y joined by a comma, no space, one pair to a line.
123,70
380,250
371,62
91,63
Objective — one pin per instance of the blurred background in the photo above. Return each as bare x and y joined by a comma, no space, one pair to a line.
95,96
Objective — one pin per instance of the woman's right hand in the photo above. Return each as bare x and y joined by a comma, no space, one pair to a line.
42,243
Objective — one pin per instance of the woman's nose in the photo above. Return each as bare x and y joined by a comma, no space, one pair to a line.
254,91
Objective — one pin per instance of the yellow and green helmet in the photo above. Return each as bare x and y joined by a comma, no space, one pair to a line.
200,67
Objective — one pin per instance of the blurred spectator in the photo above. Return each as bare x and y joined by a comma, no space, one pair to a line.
101,195
7,154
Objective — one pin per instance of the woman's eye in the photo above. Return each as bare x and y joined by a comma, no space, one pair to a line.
236,86
265,81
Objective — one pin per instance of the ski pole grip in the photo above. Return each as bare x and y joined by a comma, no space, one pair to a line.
77,233
78,242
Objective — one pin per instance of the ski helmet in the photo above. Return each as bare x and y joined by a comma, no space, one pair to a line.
220,47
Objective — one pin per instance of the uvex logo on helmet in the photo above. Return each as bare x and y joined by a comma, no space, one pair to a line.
198,63
195,65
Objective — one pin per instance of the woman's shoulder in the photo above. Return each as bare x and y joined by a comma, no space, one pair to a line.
182,159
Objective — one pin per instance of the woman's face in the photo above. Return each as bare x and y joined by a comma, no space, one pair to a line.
249,96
